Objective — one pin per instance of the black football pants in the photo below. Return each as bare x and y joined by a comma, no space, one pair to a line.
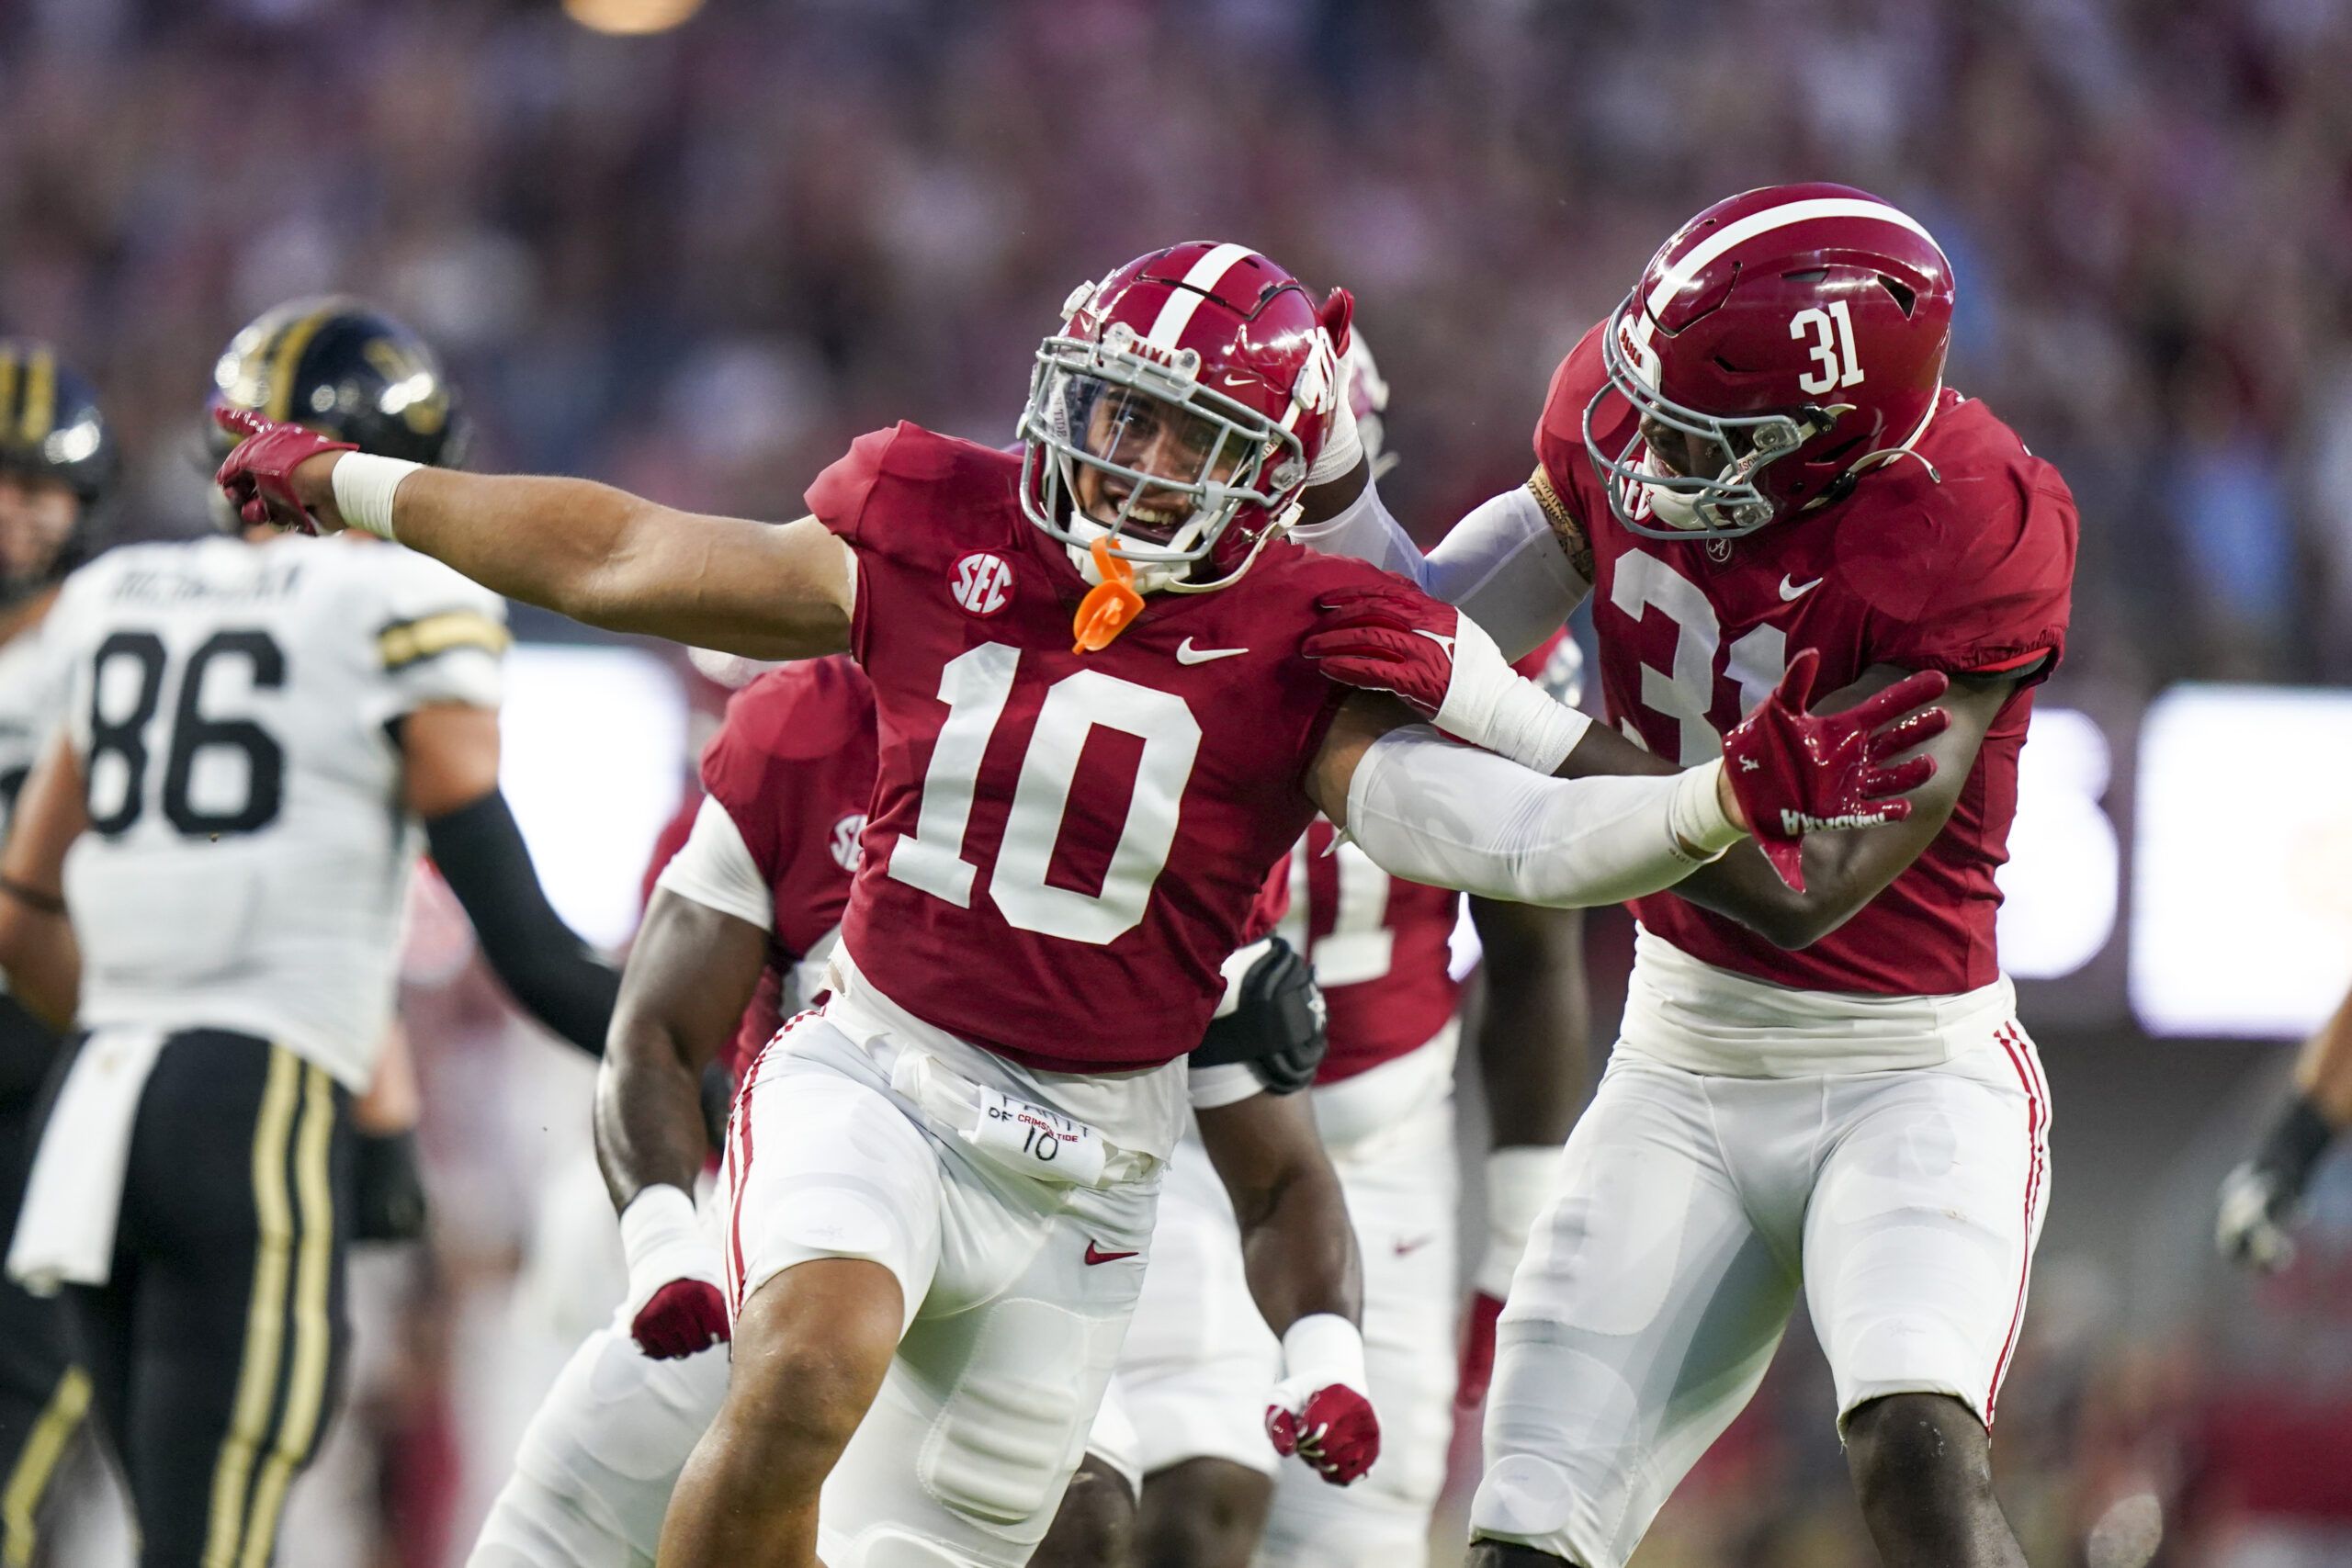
42,1394
216,1350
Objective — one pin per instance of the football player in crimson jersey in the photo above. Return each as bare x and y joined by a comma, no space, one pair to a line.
1821,1084
1194,1368
744,908
941,1187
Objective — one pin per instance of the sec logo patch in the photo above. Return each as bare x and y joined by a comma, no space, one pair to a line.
846,851
982,582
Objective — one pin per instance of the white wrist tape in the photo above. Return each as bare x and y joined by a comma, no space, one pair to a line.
1323,1348
1518,1181
363,492
663,1241
1492,705
1696,815
1342,445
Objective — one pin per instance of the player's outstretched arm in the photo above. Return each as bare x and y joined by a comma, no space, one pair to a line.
1532,1049
2262,1198
1432,810
1842,872
37,945
449,752
583,549
1299,1253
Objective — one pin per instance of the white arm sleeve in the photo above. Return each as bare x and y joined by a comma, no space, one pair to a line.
714,867
1433,810
1500,565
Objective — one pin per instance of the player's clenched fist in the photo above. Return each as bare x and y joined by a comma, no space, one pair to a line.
1320,1411
1794,773
258,477
675,1306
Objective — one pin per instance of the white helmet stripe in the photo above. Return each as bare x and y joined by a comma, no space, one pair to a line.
1681,273
1176,310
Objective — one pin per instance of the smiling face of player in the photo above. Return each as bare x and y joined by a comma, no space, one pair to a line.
1151,436
37,511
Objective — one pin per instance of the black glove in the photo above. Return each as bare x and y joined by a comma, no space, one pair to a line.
1276,1026
2263,1197
387,1190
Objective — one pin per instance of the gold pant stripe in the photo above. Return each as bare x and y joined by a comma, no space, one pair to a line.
258,1373
53,1430
306,1392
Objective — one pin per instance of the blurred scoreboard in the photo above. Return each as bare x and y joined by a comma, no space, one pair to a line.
2188,866
593,759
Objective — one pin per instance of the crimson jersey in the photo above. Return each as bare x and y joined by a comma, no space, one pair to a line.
1382,947
793,765
1966,568
1063,847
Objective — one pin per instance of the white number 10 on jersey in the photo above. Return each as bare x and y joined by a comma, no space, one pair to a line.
975,685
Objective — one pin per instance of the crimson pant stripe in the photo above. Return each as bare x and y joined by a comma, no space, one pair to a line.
2037,1120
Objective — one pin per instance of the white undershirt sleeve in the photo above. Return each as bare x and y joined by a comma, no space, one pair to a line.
1433,810
714,867
1500,565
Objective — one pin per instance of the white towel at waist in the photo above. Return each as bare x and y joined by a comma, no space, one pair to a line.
74,1197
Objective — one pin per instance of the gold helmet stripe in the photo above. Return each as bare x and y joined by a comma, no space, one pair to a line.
40,397
286,357
8,382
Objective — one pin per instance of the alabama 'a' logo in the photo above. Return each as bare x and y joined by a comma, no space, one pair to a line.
982,582
847,851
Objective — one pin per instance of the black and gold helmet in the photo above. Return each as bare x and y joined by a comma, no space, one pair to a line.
348,370
51,428
50,423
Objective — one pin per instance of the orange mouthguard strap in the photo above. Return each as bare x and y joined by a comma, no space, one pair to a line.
1110,605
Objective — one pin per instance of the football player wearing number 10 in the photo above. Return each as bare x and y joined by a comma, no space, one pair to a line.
1100,720
256,735
1821,1082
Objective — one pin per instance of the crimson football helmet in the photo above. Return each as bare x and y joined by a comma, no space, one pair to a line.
1796,335
1189,392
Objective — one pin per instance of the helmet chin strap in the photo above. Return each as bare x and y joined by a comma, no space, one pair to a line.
1144,577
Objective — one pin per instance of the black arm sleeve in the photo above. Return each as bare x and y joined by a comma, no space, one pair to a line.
552,973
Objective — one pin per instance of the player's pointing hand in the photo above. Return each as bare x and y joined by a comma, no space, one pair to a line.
1792,772
261,478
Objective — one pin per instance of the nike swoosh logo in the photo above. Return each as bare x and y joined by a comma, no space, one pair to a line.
1406,1248
1790,589
1095,1255
1187,654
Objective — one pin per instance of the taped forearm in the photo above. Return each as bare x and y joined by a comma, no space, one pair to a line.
1432,811
551,972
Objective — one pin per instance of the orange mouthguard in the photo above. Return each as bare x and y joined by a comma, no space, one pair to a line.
1110,605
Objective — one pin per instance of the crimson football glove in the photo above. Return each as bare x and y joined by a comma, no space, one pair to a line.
1391,637
258,478
1796,771
1319,1411
675,1306
1333,1429
1477,1351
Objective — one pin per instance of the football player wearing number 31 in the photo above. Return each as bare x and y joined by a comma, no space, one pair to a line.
1100,719
1753,465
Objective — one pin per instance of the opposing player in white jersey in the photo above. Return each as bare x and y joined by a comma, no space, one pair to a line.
1193,1372
1821,1084
57,462
258,737
1100,720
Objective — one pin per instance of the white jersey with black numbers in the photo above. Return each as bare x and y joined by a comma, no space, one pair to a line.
233,707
